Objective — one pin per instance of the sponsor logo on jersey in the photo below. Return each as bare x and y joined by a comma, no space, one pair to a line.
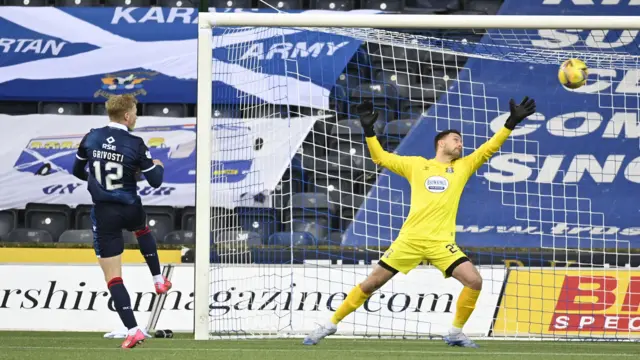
436,184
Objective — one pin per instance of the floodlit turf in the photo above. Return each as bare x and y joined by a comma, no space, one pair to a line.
69,346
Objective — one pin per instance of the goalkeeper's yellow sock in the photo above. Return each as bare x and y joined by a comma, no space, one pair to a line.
465,306
354,300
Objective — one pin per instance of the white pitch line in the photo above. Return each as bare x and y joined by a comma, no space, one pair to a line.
320,350
598,343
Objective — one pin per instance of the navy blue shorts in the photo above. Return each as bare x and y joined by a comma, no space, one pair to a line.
109,219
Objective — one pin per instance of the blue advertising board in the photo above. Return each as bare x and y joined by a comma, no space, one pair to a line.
569,176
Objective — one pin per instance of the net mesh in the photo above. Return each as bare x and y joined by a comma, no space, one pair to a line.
293,180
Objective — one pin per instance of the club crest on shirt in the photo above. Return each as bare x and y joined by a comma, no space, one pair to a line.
436,184
450,169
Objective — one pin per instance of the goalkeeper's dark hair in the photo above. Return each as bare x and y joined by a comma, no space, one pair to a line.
441,136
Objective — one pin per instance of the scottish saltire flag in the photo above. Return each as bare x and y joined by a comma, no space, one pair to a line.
88,54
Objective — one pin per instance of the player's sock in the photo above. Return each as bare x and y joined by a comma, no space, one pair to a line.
464,307
354,300
122,302
149,251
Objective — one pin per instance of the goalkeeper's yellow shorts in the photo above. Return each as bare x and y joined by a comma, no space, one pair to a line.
405,255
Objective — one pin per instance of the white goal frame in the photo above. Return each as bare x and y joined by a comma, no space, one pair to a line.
207,21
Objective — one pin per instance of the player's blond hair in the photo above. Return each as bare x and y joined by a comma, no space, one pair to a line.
118,105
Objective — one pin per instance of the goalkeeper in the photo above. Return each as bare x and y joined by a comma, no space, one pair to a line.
429,231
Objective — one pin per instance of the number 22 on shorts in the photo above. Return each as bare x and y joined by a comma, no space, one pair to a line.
453,248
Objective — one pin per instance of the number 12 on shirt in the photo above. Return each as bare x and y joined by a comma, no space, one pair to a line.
112,172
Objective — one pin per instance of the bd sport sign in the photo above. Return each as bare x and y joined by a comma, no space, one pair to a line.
570,303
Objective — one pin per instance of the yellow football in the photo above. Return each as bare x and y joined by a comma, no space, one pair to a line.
573,73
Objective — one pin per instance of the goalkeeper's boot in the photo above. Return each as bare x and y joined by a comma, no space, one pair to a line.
133,339
320,333
163,287
459,339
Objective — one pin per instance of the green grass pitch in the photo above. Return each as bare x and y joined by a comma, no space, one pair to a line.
70,346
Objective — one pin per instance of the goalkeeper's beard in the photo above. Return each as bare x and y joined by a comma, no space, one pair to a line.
454,154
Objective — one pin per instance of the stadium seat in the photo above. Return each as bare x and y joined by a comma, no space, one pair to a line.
402,80
188,218
161,220
338,100
362,184
384,5
55,219
360,157
485,7
398,58
225,218
222,111
346,131
136,3
435,6
335,238
315,143
180,237
177,3
165,110
230,4
337,5
76,236
282,194
349,206
354,149
310,212
333,175
413,109
236,239
60,108
396,131
281,4
82,218
18,108
29,235
380,95
262,221
98,109
428,88
8,222
299,238
438,59
26,2
74,3
362,165
350,131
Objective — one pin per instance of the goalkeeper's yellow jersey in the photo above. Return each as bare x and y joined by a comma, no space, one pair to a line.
436,187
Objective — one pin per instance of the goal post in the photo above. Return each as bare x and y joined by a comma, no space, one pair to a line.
203,181
243,262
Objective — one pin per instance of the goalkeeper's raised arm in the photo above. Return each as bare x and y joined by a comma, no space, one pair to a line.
400,165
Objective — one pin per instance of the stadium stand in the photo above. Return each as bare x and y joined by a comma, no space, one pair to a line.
313,219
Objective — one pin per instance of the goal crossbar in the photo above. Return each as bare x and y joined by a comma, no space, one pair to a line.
419,21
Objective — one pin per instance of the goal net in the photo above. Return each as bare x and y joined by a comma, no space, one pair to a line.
292,213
